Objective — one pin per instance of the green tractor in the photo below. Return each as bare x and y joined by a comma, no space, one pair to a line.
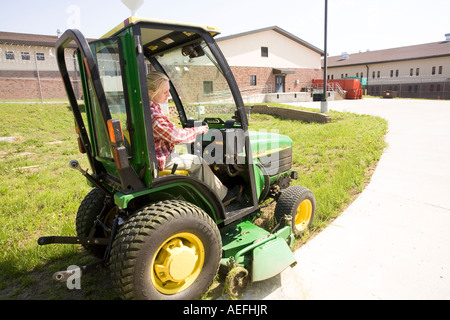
166,235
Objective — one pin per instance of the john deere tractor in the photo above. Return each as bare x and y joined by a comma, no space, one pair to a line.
164,234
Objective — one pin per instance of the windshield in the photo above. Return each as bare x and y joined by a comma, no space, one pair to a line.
199,83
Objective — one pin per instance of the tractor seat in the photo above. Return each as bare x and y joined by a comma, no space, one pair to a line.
174,170
167,172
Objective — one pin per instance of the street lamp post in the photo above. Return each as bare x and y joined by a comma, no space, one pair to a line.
324,102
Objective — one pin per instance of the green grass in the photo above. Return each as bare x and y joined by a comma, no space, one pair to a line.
40,194
333,160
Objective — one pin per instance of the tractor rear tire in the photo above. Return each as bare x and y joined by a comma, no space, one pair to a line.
298,202
89,210
166,250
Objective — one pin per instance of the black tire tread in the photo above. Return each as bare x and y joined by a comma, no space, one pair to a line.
133,233
89,209
289,201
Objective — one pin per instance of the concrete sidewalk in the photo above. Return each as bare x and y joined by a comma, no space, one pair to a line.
393,241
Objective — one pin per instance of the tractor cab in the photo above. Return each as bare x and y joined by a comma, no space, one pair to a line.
180,230
116,132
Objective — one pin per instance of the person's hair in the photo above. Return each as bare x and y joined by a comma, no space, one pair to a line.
155,81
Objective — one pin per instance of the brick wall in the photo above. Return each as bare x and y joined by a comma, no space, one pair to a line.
266,78
25,85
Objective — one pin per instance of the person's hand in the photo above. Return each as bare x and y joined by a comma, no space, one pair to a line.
204,129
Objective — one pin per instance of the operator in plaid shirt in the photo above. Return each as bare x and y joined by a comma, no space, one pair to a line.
167,135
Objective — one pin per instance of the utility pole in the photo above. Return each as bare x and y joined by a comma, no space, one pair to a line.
324,102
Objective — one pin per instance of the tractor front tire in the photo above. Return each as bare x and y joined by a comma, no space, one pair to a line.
166,250
88,212
298,202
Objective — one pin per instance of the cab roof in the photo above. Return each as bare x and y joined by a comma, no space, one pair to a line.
135,20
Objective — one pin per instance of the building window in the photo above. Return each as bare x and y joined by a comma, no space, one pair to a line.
378,74
396,73
40,56
411,72
431,87
440,70
433,70
417,71
373,74
25,55
253,80
207,87
392,73
357,74
264,52
9,55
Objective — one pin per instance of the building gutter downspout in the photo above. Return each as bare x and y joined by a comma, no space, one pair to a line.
367,81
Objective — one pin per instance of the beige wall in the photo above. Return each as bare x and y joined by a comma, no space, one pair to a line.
425,71
18,64
283,52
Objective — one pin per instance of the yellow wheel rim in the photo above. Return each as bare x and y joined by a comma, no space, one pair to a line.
177,263
303,215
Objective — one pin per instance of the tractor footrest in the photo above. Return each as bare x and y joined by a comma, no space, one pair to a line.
73,240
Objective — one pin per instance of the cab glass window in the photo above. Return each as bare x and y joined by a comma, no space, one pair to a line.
107,56
199,82
196,77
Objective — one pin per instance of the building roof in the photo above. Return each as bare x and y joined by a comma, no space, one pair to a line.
28,39
414,52
276,29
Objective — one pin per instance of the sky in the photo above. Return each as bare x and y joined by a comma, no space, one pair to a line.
353,25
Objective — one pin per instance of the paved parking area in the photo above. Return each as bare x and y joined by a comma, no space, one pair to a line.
393,241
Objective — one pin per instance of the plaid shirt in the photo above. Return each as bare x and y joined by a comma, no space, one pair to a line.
167,135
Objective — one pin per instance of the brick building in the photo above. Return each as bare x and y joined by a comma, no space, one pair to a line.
272,60
264,61
28,67
418,71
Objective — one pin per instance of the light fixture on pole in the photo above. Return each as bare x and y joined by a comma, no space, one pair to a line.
324,102
133,5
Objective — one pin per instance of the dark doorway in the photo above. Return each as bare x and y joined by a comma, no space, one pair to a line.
279,84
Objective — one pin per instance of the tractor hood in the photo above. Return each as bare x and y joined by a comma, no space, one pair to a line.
272,154
265,143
